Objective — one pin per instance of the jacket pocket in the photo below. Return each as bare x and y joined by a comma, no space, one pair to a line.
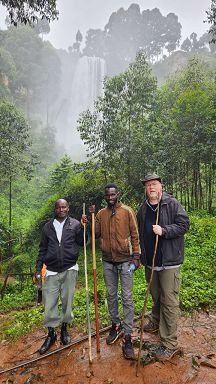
105,245
123,246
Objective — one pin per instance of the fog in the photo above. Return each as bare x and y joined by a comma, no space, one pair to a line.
82,77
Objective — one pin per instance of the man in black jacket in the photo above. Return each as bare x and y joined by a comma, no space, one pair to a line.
59,251
173,224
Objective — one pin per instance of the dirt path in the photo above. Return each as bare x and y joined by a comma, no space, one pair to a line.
197,337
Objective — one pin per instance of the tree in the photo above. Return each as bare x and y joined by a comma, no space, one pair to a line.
211,19
35,85
30,11
15,156
187,116
129,30
194,41
186,45
41,27
173,32
79,37
61,175
95,43
14,140
116,132
7,72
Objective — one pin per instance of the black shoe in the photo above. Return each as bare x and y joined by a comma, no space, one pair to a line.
163,353
50,340
115,333
65,338
127,348
150,327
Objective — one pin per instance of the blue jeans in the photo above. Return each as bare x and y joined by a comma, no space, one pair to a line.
112,273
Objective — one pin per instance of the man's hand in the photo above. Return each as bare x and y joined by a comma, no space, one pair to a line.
92,209
36,278
157,229
136,260
83,220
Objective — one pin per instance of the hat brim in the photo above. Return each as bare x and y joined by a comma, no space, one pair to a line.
143,181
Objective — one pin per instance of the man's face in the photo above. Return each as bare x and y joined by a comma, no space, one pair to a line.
153,189
61,209
111,196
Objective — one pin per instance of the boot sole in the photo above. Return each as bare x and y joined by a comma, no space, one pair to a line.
131,357
43,353
151,331
175,353
68,342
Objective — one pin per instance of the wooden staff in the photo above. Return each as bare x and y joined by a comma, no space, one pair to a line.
87,295
95,283
146,297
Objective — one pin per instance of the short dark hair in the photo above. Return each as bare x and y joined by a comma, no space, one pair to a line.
111,185
57,201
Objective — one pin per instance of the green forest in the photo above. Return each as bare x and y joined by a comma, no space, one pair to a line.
157,113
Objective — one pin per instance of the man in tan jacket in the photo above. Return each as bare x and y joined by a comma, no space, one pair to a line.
116,226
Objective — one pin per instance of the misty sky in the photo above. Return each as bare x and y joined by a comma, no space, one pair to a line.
86,14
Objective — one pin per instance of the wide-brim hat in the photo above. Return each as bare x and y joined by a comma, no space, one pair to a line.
149,177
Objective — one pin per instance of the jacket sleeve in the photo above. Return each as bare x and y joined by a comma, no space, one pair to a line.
180,223
134,232
42,251
98,225
138,218
80,234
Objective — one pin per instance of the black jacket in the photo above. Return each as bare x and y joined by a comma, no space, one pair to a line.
59,257
174,222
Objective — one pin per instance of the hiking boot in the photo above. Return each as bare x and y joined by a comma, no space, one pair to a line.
163,353
65,338
127,348
115,333
150,327
50,340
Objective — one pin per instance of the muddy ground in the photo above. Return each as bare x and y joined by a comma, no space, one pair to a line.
197,364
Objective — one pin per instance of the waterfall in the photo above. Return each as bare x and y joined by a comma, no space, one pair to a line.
87,85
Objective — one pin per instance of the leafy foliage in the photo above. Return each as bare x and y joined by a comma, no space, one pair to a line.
211,18
140,129
14,140
199,269
36,82
29,11
129,30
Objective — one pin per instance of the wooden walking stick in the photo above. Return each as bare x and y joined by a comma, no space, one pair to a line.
87,295
95,283
146,297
